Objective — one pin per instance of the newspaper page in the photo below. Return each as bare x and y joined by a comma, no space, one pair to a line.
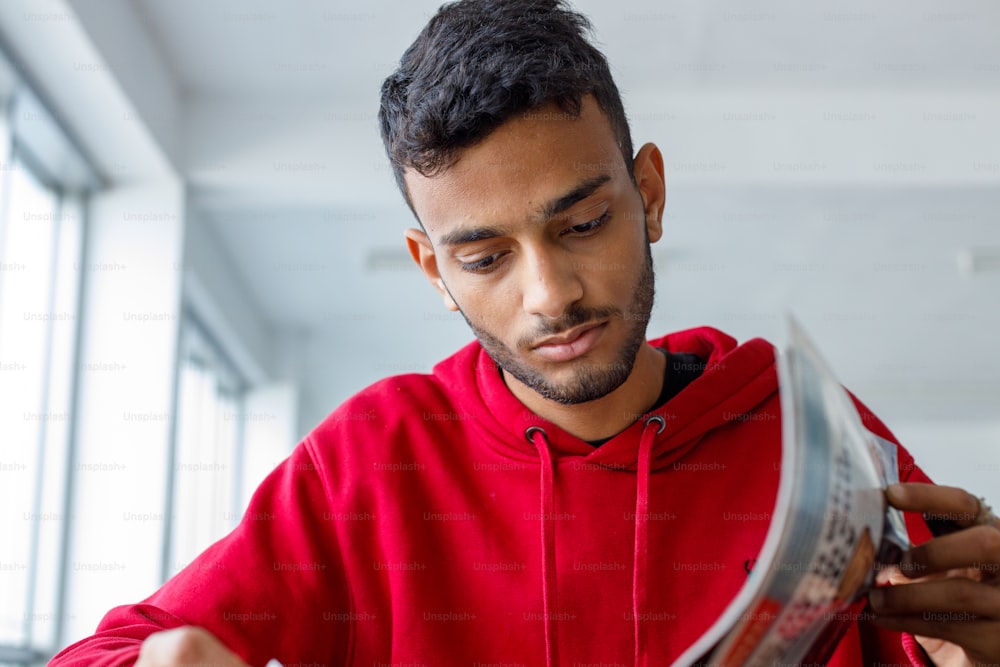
830,530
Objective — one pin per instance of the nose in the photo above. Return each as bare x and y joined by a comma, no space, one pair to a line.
551,283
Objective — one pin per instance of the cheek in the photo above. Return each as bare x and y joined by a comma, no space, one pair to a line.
490,304
620,267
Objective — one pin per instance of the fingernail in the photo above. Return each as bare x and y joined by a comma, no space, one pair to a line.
906,563
895,492
876,597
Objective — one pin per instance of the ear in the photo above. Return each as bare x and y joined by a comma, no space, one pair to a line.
423,254
648,170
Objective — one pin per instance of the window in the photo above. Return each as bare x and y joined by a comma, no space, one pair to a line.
208,454
41,242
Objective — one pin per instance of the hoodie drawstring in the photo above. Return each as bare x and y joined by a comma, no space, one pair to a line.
539,439
642,537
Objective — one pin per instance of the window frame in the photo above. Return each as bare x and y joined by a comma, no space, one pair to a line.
70,191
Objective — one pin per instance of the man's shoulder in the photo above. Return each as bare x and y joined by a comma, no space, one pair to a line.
391,398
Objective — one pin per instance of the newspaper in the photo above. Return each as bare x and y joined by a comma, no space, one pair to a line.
830,533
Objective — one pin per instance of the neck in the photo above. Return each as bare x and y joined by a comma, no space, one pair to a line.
606,416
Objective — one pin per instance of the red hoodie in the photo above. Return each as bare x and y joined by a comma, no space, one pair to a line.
434,520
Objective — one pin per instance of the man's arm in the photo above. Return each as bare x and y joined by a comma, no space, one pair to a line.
259,593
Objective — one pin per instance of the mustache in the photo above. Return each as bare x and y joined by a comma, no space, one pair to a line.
571,319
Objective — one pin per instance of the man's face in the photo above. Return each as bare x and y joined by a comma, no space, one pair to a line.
541,239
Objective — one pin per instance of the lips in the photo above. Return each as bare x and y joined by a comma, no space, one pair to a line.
574,343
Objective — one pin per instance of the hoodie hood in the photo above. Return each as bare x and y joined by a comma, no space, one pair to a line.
736,379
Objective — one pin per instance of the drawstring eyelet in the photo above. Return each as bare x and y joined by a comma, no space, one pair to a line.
530,431
660,420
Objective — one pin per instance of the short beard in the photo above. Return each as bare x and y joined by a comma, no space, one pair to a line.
589,382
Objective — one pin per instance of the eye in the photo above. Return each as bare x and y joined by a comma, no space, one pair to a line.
587,227
483,265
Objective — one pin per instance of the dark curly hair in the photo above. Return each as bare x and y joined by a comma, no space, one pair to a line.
478,63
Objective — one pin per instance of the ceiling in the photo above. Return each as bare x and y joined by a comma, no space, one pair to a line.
317,49
836,158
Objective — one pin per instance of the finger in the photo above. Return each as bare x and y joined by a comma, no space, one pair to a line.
977,547
942,503
981,640
955,599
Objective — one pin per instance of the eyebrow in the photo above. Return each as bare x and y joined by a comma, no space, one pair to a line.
460,236
548,211
579,193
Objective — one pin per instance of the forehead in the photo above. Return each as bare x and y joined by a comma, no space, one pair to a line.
522,165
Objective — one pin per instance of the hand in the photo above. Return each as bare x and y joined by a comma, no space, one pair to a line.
951,597
186,646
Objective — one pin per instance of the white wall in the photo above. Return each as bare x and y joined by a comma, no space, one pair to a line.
213,288
956,453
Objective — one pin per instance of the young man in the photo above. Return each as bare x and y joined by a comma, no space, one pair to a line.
561,492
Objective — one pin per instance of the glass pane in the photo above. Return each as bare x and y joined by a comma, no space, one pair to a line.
27,315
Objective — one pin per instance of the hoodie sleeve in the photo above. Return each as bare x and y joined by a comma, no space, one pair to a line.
264,590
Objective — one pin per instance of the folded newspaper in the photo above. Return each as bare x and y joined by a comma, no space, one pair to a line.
831,528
